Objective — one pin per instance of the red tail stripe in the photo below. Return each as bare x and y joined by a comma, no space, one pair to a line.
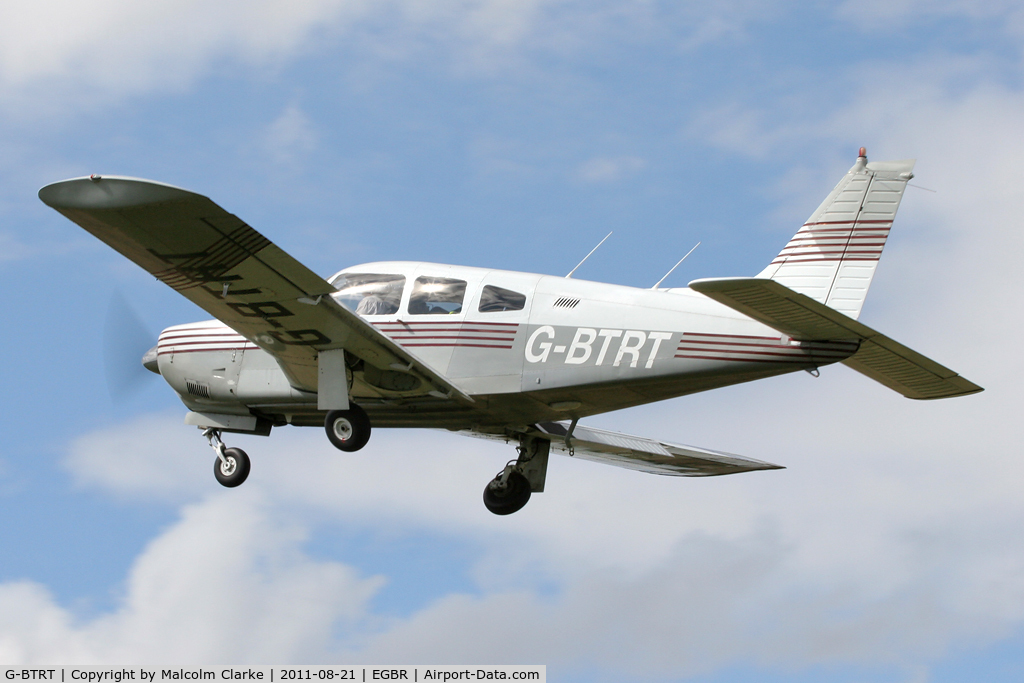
727,336
794,361
451,330
476,346
414,323
417,337
858,222
830,259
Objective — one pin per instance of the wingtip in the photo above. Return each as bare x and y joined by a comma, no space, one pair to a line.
107,192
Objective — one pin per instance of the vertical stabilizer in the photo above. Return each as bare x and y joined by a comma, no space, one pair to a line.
833,256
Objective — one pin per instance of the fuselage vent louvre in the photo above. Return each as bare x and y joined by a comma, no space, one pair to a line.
197,389
566,302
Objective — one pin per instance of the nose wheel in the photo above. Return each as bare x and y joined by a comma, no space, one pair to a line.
348,430
231,467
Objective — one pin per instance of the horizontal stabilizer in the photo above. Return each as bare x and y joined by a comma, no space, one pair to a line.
647,455
804,319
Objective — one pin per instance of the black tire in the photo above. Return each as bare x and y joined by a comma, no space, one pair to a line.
348,430
234,471
511,498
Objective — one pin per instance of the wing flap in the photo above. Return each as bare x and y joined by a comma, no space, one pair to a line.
231,271
882,359
647,455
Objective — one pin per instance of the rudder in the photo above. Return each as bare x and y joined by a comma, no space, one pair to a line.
833,256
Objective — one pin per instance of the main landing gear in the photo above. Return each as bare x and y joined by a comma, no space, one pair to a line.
348,430
510,490
232,464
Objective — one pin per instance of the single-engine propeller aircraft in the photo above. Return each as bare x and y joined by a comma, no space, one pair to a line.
513,356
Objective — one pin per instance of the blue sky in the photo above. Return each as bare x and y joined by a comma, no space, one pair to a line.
516,134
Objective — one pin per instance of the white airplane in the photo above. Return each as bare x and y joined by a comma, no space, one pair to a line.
513,356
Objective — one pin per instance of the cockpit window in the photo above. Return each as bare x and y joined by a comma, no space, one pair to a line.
493,299
369,293
436,295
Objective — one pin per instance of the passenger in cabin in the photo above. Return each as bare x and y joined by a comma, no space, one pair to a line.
437,296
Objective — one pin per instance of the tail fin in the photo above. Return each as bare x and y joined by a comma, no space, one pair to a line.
833,256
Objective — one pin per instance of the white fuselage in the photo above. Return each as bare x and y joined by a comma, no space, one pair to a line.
572,347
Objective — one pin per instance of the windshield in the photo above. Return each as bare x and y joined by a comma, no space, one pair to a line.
436,295
369,293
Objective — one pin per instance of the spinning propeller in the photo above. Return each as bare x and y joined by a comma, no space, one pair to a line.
129,349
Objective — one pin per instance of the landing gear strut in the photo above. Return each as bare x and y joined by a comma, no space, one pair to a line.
510,490
348,430
232,464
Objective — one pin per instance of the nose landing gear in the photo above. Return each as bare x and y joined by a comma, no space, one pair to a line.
231,467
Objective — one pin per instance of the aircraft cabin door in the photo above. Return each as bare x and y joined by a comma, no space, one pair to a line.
488,357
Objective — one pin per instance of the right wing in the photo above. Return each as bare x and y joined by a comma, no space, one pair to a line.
646,455
234,273
882,359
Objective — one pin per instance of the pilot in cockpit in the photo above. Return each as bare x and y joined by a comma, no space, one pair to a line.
369,293
373,305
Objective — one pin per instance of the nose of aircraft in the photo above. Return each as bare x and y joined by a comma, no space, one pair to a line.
149,361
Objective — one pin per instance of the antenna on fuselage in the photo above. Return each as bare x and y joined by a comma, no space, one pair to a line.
675,266
588,255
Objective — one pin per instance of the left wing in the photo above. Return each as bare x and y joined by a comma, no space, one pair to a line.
646,455
234,273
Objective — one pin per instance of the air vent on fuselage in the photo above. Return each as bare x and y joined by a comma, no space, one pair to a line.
566,302
197,388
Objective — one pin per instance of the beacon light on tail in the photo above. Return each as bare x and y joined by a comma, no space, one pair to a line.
513,356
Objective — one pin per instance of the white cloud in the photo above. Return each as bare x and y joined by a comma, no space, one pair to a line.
886,14
867,549
61,55
153,456
227,582
609,169
291,136
94,48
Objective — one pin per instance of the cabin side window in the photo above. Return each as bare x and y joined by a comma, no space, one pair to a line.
369,293
494,299
436,295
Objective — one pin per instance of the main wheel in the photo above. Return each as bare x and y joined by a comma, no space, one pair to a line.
504,500
234,469
348,430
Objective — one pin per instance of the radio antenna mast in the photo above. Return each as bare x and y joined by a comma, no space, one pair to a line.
588,255
675,266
